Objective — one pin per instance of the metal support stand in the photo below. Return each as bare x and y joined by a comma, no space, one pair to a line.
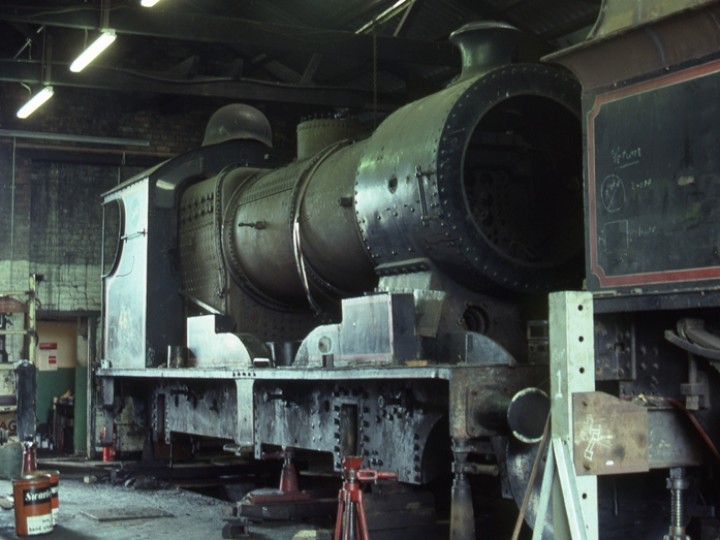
572,369
351,522
462,517
677,483
286,502
289,489
288,476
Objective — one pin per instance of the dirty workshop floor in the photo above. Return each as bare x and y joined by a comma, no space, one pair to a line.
126,500
104,511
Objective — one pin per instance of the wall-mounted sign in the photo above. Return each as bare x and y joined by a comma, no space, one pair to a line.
48,357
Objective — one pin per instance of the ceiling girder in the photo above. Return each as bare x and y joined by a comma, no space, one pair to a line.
310,69
177,25
103,78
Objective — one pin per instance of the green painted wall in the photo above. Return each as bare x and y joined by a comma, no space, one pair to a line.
52,384
80,436
62,350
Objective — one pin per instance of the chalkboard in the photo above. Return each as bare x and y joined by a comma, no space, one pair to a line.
653,191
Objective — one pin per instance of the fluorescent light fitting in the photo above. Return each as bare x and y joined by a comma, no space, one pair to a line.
384,16
36,101
93,51
148,3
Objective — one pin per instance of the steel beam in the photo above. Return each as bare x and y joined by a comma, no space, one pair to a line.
180,25
102,78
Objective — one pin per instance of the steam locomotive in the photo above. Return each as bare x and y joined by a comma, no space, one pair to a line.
386,297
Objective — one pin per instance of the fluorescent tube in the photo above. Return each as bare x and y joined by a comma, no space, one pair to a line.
148,3
38,99
94,49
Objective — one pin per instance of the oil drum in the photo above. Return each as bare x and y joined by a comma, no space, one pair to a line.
32,496
55,492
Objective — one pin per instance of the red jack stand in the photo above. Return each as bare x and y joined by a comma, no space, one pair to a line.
284,503
288,475
351,522
289,490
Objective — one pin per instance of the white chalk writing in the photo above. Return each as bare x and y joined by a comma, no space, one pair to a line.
637,185
622,157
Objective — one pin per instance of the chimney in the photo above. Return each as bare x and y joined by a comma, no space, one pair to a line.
484,46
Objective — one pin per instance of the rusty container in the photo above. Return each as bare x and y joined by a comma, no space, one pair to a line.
32,497
54,492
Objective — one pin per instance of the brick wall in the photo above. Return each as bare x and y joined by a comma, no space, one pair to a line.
50,191
64,243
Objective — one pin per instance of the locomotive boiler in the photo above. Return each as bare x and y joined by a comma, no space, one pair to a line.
381,297
384,296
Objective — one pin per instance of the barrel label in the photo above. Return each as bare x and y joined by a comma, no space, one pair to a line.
36,495
39,524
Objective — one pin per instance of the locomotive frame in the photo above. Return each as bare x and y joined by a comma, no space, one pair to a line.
442,363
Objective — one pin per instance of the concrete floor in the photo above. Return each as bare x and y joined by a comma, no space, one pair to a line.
187,515
131,501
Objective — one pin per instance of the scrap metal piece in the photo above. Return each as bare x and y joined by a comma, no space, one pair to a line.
610,435
236,528
127,512
286,510
617,437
